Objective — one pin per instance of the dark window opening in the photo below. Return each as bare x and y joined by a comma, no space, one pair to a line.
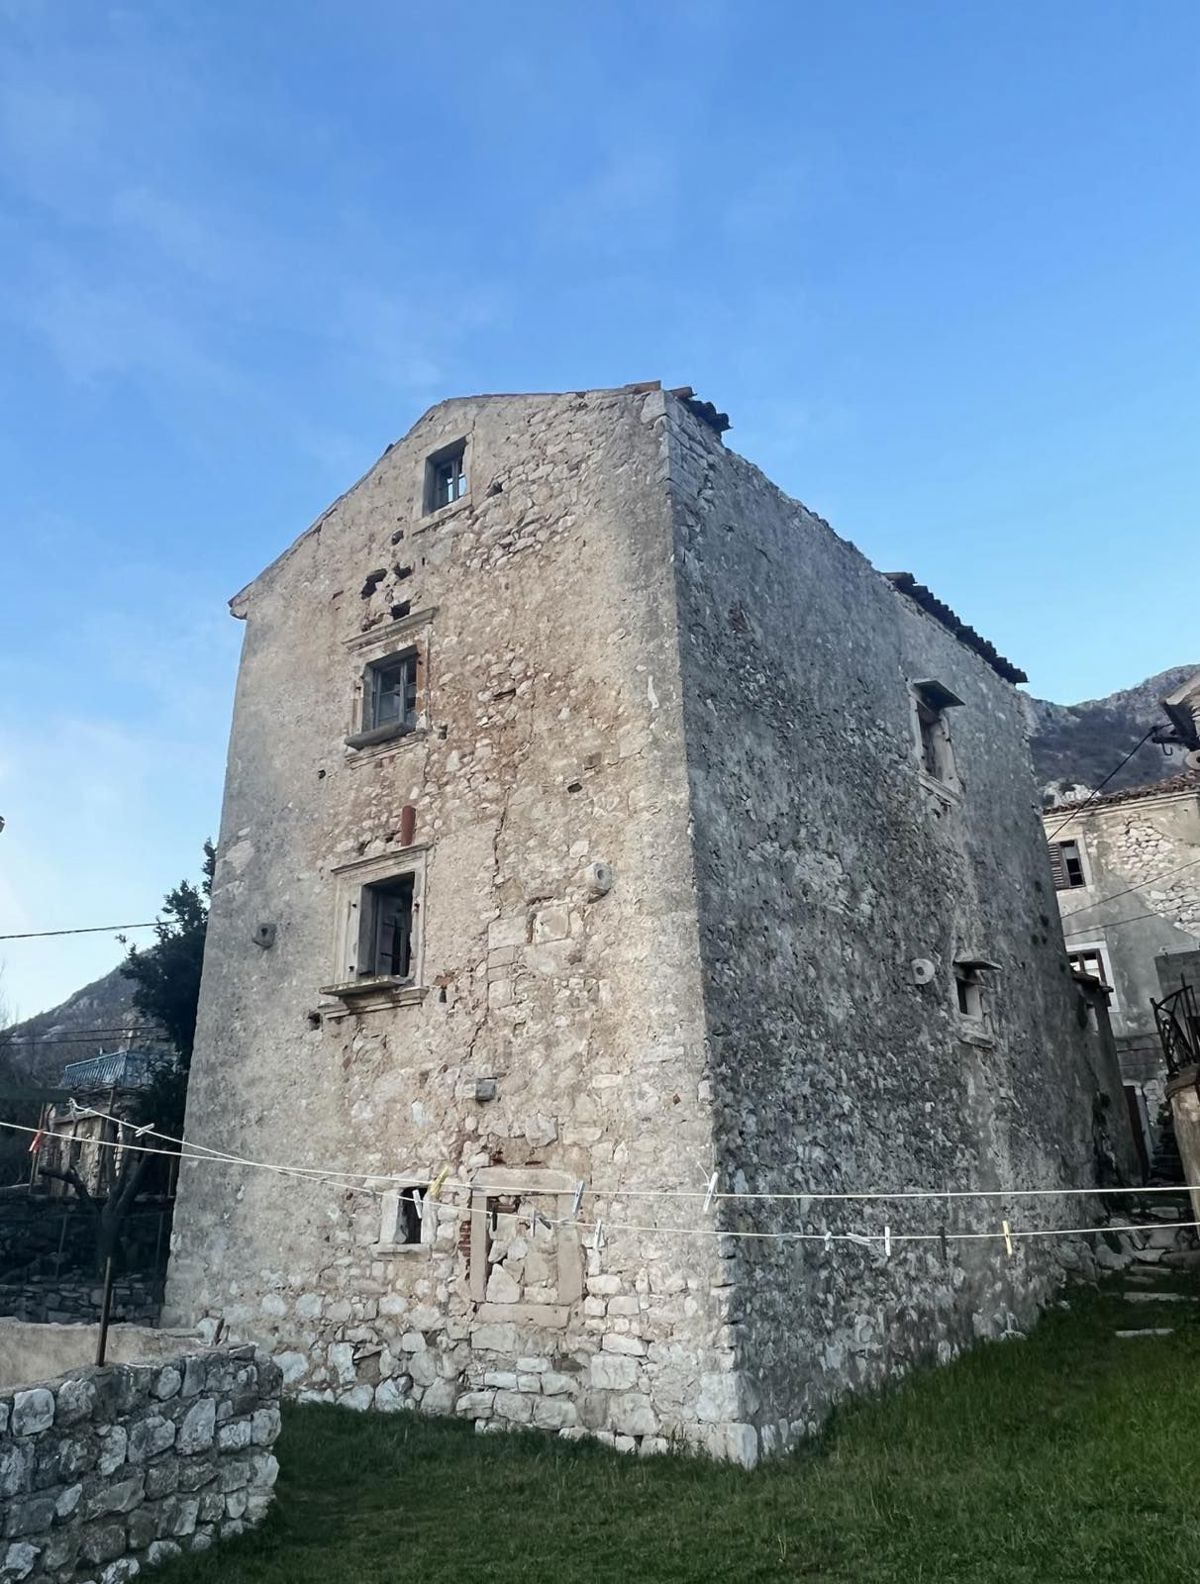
1066,863
386,943
446,477
931,723
391,698
411,1214
968,987
1092,964
933,701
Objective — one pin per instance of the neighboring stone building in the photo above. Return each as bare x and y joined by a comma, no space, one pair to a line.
596,815
89,1134
1127,870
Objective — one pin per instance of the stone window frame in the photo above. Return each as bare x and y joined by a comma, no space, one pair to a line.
930,701
1058,863
427,511
1096,948
974,975
555,1193
411,634
390,1213
351,880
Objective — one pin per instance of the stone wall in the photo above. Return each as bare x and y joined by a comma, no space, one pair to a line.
560,976
136,1300
109,1468
1142,899
1141,908
567,1021
827,861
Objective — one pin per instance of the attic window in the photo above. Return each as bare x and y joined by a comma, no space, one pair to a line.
932,701
446,476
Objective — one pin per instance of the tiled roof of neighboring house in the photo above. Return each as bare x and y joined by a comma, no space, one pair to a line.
1186,781
907,584
115,1070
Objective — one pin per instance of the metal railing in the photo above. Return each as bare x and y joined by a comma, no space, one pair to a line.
1177,1019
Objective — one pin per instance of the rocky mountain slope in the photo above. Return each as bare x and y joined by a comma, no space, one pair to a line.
95,1018
1078,744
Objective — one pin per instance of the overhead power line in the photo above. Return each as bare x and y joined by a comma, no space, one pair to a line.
91,929
1092,796
1141,886
81,1039
1132,918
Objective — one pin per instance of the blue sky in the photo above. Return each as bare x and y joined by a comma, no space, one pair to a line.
938,261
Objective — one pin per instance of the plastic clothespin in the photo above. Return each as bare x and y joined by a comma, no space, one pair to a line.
887,1242
709,1192
580,1189
945,1242
598,1240
1008,1242
828,1241
438,1182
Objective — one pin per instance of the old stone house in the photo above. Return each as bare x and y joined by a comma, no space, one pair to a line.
1126,868
90,1132
598,821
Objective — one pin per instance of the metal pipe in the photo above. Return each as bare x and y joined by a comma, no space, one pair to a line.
105,1310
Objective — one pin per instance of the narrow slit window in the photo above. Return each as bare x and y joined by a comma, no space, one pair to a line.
970,993
932,703
410,1214
970,987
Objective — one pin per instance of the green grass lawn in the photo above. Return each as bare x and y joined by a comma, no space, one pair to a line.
1072,1455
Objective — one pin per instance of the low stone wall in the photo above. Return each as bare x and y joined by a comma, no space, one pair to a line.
111,1467
137,1300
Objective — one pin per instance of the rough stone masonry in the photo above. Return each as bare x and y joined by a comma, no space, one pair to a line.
595,814
109,1469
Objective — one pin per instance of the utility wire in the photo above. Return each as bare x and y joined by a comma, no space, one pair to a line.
202,1152
91,929
1092,796
93,1037
1141,886
1103,924
1006,1234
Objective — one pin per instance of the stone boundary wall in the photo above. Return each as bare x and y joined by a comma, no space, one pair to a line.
137,1300
113,1467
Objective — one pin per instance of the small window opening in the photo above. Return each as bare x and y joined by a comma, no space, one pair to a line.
969,988
446,477
933,701
391,695
1091,963
386,944
411,1213
1066,863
